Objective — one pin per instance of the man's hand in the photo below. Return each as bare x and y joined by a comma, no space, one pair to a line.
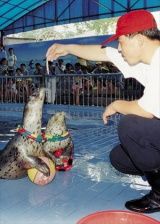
55,51
125,107
110,110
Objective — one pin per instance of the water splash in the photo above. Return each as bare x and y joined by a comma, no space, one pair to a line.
101,171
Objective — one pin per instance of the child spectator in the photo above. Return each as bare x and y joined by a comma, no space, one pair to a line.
3,67
24,69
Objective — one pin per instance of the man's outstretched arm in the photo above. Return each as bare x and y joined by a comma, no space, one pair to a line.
88,52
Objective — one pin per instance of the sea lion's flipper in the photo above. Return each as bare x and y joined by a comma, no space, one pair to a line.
35,162
50,155
10,168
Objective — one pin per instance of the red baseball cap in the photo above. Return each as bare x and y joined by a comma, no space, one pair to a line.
132,22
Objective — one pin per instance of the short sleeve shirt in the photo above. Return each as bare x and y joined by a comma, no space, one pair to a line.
147,74
11,60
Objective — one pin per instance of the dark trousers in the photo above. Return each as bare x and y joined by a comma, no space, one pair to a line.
139,148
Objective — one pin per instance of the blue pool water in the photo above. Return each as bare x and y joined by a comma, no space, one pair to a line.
91,185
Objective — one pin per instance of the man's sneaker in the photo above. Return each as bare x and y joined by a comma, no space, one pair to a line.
147,204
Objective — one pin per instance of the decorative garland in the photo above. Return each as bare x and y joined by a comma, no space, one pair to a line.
56,138
28,134
42,137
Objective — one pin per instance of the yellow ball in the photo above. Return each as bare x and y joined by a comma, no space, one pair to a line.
38,177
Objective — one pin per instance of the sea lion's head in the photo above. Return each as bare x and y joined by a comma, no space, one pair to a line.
33,107
38,95
57,124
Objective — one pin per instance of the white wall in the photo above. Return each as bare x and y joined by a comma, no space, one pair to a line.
12,40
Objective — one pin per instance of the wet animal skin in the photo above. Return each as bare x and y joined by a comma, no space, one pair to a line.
21,152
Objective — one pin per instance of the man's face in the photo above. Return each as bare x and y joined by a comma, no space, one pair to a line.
130,48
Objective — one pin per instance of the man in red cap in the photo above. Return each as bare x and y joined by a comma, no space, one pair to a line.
137,56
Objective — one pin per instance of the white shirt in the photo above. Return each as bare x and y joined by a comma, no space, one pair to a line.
147,74
11,60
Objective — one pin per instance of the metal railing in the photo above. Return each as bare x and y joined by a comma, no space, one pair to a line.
71,89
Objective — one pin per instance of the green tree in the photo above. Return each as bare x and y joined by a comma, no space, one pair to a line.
93,27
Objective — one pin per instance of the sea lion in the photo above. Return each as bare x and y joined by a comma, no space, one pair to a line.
58,145
23,150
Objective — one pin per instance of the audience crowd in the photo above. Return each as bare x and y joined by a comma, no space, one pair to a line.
15,88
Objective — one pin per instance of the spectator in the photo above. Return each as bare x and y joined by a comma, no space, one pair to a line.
4,67
19,72
10,90
51,68
31,67
69,69
24,69
21,85
85,70
3,53
12,60
100,69
77,84
61,65
50,83
3,72
39,71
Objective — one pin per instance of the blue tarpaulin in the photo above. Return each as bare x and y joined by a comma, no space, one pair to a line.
24,15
